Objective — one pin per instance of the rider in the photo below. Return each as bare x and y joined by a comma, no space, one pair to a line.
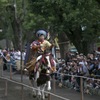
42,46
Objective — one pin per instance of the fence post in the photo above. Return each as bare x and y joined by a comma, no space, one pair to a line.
49,97
81,88
22,92
54,85
2,68
10,72
6,87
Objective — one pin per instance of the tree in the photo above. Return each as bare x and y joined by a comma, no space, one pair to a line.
76,20
70,17
98,1
3,24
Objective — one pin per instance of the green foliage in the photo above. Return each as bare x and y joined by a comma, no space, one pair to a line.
70,16
3,22
57,16
67,13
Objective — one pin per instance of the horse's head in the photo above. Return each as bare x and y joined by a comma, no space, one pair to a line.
48,63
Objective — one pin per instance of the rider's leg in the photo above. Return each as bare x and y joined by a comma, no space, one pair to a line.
39,57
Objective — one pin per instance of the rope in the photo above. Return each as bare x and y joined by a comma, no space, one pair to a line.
19,83
63,42
80,76
71,75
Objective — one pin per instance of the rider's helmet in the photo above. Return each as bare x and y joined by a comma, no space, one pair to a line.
41,32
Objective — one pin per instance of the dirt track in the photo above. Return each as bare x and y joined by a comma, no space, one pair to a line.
14,91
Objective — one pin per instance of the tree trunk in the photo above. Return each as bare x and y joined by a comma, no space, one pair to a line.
76,38
16,33
16,26
91,46
84,47
63,40
81,45
98,1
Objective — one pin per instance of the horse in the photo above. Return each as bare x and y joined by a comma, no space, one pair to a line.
39,70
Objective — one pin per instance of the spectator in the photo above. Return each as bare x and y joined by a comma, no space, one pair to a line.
10,62
80,65
4,59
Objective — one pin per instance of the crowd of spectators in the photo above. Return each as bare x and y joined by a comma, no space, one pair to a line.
74,64
80,65
12,58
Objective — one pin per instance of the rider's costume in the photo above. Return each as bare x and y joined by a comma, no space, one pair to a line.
43,51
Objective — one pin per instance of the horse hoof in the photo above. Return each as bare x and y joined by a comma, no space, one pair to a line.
39,97
34,96
60,85
49,88
43,98
46,95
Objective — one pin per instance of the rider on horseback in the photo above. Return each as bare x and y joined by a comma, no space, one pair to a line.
42,46
42,62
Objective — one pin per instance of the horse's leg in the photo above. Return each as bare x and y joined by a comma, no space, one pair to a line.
37,75
49,85
38,91
32,84
43,94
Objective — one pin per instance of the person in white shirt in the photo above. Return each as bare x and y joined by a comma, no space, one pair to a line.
23,55
18,54
83,68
